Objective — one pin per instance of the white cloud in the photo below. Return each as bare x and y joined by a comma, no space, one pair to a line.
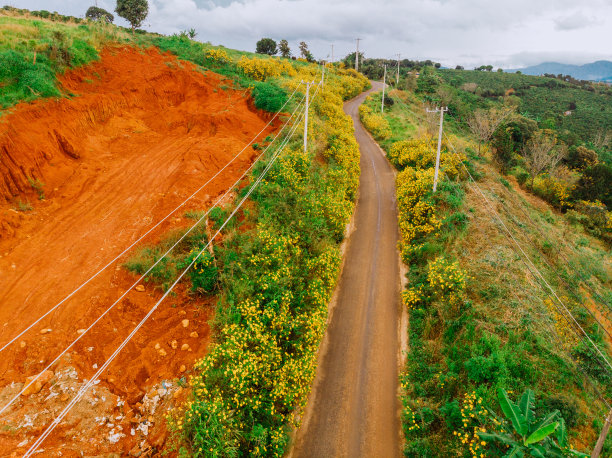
467,32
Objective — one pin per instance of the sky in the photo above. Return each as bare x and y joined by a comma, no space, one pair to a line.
502,33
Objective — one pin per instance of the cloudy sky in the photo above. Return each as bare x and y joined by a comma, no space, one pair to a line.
504,33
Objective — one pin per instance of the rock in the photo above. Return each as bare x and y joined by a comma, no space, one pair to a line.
182,368
182,312
157,346
46,331
80,331
140,288
174,344
162,352
22,344
185,347
35,387
194,335
185,323
64,397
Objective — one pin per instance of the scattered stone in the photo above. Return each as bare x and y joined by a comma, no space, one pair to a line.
35,387
157,346
80,331
140,288
174,344
64,397
22,344
182,312
46,331
182,368
194,334
185,347
162,352
185,323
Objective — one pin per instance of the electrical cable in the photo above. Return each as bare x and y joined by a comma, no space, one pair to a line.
10,342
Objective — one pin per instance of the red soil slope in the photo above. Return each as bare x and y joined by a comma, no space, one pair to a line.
142,133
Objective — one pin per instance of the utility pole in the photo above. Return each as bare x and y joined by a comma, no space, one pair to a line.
308,83
357,55
441,110
397,77
332,54
382,100
602,436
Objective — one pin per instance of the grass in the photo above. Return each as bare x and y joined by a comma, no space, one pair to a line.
505,331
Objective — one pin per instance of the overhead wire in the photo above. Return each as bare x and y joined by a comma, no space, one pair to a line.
534,270
144,275
82,285
57,420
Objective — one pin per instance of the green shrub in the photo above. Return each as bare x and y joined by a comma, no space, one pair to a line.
268,97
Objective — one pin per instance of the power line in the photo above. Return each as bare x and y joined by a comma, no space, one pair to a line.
146,233
91,382
202,218
529,263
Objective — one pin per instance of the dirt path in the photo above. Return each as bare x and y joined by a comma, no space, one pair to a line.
354,408
143,134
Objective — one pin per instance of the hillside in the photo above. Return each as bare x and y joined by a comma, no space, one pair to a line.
594,71
480,254
131,177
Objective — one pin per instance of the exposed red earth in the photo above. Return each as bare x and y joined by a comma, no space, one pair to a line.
141,133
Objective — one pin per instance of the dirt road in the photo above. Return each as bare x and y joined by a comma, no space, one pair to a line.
354,410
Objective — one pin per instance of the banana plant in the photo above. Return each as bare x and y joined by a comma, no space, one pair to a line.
529,436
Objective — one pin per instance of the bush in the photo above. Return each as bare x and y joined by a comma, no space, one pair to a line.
268,97
374,122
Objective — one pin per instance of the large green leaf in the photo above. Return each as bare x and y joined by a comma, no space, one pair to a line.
547,419
541,433
489,437
538,451
516,452
561,433
512,412
526,405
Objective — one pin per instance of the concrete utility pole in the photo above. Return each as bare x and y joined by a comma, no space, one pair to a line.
397,77
602,436
308,83
357,54
382,100
441,110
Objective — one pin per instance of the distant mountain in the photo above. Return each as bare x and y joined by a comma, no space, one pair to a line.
595,71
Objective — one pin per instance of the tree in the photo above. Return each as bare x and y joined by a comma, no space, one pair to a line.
305,52
133,11
596,184
459,67
95,13
522,434
483,123
542,154
266,46
283,47
428,80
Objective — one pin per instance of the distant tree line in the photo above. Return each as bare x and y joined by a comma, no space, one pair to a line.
271,48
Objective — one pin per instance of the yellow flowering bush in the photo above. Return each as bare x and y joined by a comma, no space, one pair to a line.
374,122
277,279
262,69
217,55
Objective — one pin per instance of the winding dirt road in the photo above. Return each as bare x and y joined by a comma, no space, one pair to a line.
354,409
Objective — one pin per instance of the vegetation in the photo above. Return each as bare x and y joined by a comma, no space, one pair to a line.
133,11
477,326
95,13
266,46
284,49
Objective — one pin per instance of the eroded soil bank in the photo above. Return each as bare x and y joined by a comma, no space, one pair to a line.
141,133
